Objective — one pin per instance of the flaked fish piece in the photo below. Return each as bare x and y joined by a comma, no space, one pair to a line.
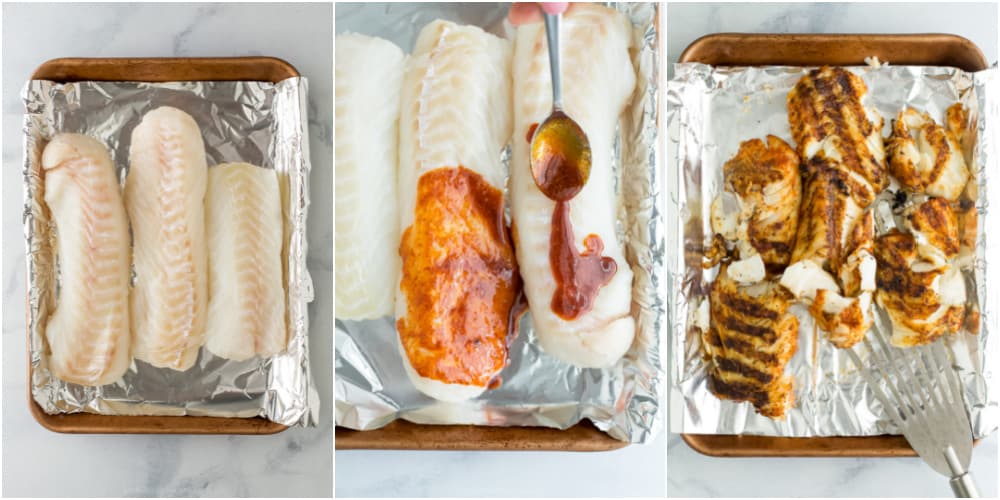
751,338
459,277
246,292
88,332
598,82
758,209
368,76
925,157
165,199
918,286
840,143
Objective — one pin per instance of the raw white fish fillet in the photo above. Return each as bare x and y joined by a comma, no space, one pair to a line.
455,120
165,198
368,76
598,81
246,294
88,333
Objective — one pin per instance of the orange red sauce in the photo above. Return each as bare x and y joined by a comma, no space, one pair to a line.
459,277
579,275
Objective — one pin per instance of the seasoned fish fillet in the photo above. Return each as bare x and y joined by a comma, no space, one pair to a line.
459,276
751,335
368,76
759,206
88,332
839,140
924,157
832,127
598,81
165,198
246,293
922,292
751,338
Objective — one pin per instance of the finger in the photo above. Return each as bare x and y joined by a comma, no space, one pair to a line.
554,7
524,13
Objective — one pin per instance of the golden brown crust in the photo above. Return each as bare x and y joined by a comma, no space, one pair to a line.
765,176
751,338
825,108
938,223
911,282
924,157
843,171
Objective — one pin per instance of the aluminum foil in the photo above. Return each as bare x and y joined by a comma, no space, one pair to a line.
257,122
710,111
371,387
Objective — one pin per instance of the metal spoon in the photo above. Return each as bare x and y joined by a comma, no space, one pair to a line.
560,150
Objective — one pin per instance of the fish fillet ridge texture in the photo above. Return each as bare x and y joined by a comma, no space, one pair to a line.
458,277
165,199
598,81
246,308
368,76
88,332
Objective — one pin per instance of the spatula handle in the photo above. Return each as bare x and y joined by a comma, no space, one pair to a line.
964,487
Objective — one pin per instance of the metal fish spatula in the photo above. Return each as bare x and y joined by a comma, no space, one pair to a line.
924,400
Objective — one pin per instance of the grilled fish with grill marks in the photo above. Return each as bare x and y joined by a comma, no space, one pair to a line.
751,335
920,289
840,144
751,338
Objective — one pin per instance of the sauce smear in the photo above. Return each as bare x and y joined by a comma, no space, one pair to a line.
459,277
579,276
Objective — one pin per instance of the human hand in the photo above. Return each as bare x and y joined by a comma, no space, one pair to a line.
529,12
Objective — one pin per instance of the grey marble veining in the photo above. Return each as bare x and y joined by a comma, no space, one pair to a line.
634,471
297,462
694,475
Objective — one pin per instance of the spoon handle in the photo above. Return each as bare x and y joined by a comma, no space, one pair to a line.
552,36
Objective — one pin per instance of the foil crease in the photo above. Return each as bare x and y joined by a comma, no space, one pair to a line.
710,110
371,387
256,122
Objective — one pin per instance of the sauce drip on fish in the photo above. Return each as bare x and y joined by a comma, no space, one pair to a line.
459,278
579,275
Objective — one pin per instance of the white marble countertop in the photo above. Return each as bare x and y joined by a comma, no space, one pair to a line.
633,471
694,475
297,462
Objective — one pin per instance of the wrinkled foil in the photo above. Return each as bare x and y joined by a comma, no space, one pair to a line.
372,388
261,123
710,111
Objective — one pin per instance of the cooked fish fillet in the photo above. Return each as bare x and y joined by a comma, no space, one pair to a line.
923,157
368,76
759,206
88,332
750,341
598,81
922,292
840,143
165,199
832,127
246,293
459,275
